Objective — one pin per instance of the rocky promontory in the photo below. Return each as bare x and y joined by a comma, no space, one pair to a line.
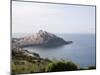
42,38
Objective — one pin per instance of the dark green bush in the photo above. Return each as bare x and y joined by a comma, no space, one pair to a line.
48,60
36,54
61,66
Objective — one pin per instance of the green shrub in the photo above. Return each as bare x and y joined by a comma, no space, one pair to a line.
47,60
36,54
61,66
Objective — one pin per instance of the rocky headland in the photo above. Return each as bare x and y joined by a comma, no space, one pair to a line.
42,38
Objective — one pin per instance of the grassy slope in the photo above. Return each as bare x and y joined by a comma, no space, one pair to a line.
22,64
27,64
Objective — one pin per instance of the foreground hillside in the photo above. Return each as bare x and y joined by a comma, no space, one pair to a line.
26,62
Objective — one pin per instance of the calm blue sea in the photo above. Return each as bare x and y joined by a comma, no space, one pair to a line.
81,51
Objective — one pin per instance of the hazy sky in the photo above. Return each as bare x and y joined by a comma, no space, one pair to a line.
30,17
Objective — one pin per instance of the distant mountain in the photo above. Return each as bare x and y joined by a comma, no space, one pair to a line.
42,38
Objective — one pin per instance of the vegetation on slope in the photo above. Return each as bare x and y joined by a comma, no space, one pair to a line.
61,66
24,62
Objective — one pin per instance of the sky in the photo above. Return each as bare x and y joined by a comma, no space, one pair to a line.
30,17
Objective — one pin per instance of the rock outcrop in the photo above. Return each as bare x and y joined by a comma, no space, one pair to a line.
42,38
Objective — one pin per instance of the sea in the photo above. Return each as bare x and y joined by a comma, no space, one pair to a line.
82,51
